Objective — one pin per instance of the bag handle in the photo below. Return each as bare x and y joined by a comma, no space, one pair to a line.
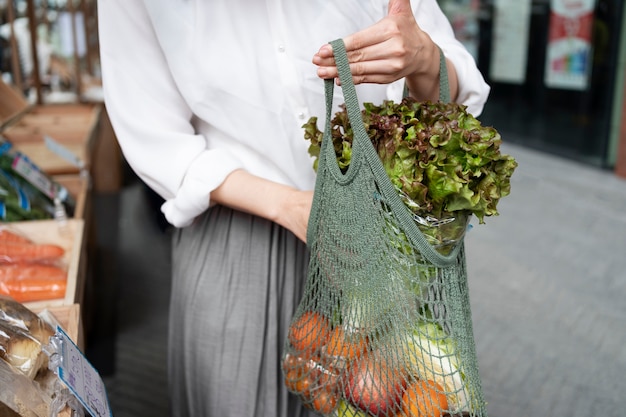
352,105
364,152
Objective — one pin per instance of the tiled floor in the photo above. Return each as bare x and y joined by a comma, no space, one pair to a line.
547,286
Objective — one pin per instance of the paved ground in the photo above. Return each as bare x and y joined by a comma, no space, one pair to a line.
547,286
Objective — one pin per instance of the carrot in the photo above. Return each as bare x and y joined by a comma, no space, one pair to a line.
9,236
29,252
31,281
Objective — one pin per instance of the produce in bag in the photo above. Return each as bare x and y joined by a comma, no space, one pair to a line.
384,276
26,192
30,271
444,164
19,203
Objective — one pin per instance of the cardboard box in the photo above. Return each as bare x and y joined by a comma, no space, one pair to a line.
68,235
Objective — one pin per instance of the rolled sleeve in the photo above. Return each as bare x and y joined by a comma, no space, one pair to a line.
205,174
151,118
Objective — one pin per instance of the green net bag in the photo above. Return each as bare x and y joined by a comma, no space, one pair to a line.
384,326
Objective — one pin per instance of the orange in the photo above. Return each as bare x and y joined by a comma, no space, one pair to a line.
324,401
298,373
309,332
348,346
424,399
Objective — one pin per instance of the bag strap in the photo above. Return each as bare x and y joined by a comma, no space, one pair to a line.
351,100
444,85
364,153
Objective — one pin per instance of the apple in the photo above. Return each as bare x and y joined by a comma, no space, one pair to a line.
374,387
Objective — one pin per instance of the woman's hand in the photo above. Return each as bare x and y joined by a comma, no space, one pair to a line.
279,203
393,48
295,213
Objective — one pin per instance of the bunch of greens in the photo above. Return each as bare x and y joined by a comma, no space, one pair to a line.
436,154
26,192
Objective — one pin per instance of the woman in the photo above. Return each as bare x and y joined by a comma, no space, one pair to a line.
208,99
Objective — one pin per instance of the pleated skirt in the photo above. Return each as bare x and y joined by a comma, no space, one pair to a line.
237,280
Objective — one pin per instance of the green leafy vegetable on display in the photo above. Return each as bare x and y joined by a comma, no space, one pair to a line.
20,203
26,192
439,157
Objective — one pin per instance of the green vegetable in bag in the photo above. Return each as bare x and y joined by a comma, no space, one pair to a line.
432,355
437,155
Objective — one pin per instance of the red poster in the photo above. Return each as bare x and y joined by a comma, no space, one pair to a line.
568,62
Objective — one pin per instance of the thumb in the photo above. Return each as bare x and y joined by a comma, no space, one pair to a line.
397,7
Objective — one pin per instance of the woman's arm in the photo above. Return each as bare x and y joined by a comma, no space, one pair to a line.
151,118
279,203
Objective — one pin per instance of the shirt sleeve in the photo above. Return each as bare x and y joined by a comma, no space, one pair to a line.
150,117
473,90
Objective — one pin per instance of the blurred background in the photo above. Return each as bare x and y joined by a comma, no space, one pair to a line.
547,276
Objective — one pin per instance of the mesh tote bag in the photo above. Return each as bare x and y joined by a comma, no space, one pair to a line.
384,326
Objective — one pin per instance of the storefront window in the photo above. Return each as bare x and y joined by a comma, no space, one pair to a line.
551,65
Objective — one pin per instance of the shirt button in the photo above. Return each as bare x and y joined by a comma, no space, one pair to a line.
300,115
281,48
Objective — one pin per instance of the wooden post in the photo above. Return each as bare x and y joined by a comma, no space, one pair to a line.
32,24
72,11
15,52
86,17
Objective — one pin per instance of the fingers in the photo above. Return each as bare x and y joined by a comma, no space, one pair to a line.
377,71
381,53
379,63
364,50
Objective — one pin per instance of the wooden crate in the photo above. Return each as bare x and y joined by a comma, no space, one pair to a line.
69,236
79,188
12,104
69,319
74,126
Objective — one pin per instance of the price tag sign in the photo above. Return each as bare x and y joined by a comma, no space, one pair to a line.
81,377
63,152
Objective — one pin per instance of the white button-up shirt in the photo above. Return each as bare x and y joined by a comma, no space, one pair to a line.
196,89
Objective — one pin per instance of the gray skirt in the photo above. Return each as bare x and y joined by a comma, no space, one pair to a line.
237,280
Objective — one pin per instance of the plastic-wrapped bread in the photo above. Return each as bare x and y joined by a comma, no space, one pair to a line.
17,315
22,335
21,350
20,396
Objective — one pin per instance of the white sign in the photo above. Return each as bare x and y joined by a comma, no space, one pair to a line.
509,54
81,377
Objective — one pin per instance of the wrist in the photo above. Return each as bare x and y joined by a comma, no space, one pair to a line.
423,83
280,203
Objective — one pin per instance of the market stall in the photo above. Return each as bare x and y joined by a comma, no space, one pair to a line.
55,142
